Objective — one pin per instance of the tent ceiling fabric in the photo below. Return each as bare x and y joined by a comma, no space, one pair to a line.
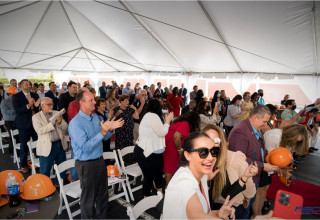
168,36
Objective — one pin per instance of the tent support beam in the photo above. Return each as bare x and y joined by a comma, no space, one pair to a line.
315,37
74,30
16,9
102,60
219,34
118,60
48,58
107,36
71,59
6,62
9,3
164,46
34,32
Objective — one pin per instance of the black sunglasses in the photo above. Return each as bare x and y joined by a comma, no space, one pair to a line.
204,152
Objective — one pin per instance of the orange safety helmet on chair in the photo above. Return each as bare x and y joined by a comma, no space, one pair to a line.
282,107
37,186
280,157
4,177
113,169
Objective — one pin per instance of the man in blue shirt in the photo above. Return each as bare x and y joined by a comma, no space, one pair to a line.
87,133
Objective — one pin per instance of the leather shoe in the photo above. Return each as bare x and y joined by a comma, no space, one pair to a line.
25,170
314,149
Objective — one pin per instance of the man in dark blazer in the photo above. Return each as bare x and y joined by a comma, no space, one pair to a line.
25,104
159,89
103,90
66,98
183,92
247,138
54,95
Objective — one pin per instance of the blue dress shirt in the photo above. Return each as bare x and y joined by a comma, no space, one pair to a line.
86,139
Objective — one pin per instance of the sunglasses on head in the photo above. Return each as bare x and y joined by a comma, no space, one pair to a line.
204,152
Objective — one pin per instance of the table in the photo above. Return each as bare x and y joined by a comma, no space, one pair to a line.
47,209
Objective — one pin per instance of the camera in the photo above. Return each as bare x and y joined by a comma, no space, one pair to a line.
284,198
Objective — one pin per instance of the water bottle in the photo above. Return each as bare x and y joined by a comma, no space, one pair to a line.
112,174
13,189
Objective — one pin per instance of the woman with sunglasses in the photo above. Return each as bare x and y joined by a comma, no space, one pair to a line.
235,175
187,196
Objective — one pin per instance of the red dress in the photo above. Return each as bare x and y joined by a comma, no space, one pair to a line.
170,155
175,102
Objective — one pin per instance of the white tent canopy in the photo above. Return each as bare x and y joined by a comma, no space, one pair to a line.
161,36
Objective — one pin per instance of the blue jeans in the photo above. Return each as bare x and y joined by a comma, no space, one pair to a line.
24,136
246,212
73,172
56,155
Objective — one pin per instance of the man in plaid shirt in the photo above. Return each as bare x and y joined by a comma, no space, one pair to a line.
247,138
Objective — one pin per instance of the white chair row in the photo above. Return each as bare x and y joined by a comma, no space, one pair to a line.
73,189
3,135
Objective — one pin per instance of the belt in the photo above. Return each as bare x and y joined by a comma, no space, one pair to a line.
90,160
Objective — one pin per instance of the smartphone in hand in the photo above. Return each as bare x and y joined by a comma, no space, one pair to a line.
287,205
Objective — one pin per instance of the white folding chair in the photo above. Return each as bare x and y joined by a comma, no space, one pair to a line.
72,189
3,135
143,205
112,181
34,161
132,170
16,158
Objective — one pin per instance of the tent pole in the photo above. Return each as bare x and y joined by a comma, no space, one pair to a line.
315,37
103,61
74,30
117,60
71,59
6,62
107,36
35,30
16,9
164,46
219,34
48,58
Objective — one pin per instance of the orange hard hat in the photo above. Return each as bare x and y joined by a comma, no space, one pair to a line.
113,169
206,98
30,164
277,106
12,90
37,186
282,107
280,157
4,177
210,99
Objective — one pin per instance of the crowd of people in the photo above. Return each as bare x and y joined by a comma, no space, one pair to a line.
220,145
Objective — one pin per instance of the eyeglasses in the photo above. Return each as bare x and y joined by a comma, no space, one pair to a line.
204,152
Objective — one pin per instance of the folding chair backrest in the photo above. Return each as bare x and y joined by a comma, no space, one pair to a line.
65,165
14,133
126,150
32,145
143,205
1,122
112,155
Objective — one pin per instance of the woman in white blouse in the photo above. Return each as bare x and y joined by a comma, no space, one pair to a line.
150,145
187,193
205,118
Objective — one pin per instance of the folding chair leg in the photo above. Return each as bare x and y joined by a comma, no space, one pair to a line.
1,145
126,192
61,204
129,188
16,160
